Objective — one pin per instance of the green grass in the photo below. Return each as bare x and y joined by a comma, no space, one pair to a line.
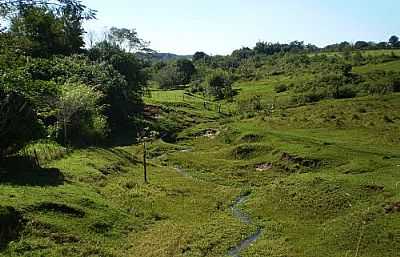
102,208
388,66
366,52
328,188
162,96
335,208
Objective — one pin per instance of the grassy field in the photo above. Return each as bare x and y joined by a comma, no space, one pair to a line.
388,66
322,180
367,52
328,181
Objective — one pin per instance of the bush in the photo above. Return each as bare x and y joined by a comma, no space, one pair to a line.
219,84
168,77
281,88
251,104
196,87
347,91
18,122
79,112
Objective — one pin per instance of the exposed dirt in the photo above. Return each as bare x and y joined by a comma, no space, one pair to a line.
112,168
310,163
264,167
392,208
374,188
151,112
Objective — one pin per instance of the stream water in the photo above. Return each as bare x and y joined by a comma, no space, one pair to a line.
244,218
241,216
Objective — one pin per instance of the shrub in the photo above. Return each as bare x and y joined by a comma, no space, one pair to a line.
219,84
79,112
281,88
196,87
18,122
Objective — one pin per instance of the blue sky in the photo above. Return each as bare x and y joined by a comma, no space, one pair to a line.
220,26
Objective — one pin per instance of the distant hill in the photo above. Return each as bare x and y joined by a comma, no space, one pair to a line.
170,56
165,56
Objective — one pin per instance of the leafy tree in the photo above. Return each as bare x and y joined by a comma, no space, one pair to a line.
219,84
186,70
382,45
175,73
243,53
394,41
9,8
127,39
18,122
361,45
199,56
168,77
125,98
48,31
78,111
42,30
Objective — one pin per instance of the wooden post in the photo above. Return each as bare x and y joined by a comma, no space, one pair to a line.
37,163
144,162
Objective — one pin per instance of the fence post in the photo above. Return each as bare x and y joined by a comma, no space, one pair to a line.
36,158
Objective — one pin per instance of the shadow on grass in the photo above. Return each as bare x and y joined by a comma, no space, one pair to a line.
11,224
20,171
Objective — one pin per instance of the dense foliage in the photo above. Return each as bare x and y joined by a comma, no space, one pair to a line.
18,122
72,95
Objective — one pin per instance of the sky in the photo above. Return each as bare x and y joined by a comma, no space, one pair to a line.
221,26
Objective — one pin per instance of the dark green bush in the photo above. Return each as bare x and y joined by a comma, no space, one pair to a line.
281,88
18,122
219,84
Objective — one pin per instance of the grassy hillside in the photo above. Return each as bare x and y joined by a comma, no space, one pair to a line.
324,183
367,52
321,179
388,66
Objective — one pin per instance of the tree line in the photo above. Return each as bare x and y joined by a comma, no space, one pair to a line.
52,87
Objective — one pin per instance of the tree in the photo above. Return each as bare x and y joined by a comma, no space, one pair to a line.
42,30
186,70
127,39
199,56
243,53
18,122
125,99
361,45
78,108
9,8
219,84
49,31
394,41
167,77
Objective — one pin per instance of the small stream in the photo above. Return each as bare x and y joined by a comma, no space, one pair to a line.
244,218
240,215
